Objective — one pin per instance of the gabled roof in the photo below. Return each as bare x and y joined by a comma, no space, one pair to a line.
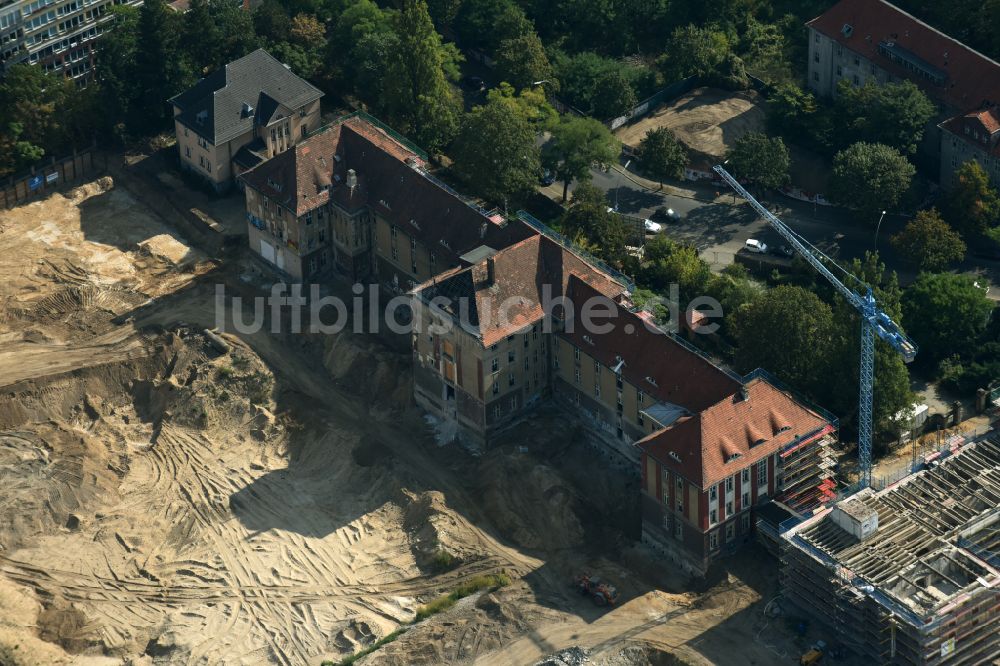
971,80
214,107
652,360
390,179
739,430
986,122
524,275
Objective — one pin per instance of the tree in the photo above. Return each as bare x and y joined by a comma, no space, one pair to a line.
694,51
610,236
616,98
894,114
945,314
521,61
200,28
928,243
793,113
869,177
359,47
734,289
787,330
115,67
764,45
417,95
972,206
761,160
160,71
485,24
237,36
271,22
891,392
673,263
576,145
662,156
303,51
530,104
495,153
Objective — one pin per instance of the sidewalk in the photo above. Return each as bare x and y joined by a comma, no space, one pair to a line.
705,193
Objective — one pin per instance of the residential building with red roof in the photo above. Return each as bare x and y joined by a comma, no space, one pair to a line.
872,40
508,315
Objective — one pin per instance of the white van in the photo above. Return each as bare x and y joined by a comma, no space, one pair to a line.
756,246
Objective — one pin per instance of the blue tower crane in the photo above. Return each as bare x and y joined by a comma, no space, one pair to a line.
874,321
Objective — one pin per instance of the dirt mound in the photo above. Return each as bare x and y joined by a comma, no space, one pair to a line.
434,532
530,502
380,376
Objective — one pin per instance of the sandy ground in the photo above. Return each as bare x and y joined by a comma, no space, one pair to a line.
284,502
706,120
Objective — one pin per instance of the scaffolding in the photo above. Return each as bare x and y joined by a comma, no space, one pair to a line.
924,588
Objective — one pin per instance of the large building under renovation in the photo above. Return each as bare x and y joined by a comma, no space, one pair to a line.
909,574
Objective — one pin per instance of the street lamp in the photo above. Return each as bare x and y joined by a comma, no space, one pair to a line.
877,227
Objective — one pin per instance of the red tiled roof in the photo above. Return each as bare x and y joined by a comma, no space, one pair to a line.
681,376
522,274
986,121
390,179
700,447
972,78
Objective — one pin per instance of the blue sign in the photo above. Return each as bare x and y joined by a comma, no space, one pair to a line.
35,183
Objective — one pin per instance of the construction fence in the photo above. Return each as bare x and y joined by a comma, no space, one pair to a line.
43,179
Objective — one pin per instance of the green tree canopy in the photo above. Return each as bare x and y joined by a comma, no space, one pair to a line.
800,321
595,84
662,156
531,104
495,153
891,391
485,24
694,51
668,262
734,289
894,114
417,95
577,144
946,314
521,61
972,205
160,66
761,160
928,243
794,114
870,177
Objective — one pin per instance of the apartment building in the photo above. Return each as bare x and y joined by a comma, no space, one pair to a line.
352,199
241,115
872,40
58,35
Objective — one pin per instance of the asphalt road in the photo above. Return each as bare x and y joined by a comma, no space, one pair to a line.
719,228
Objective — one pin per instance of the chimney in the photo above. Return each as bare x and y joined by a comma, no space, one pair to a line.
744,394
491,271
352,180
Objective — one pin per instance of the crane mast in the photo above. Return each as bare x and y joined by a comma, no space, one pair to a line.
874,321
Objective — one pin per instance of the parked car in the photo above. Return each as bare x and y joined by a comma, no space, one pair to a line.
756,246
666,214
547,178
652,227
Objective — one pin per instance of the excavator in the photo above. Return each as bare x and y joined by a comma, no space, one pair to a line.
602,593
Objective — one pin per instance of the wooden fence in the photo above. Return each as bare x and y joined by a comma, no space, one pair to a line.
44,179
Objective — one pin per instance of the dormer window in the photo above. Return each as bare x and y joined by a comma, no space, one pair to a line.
673,454
733,457
846,30
589,340
651,381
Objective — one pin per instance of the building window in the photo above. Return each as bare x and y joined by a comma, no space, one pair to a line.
392,232
857,61
496,365
873,70
510,379
678,529
496,411
576,353
187,151
713,540
208,166
578,376
730,532
816,38
840,70
513,402
526,363
745,500
729,484
496,383
713,493
815,76
597,389
395,253
713,516
746,475
639,418
305,130
816,57
762,472
729,508
510,356
857,81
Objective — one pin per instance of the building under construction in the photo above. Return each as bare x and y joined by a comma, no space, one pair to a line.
909,574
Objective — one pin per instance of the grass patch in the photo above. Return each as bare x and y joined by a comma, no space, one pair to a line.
347,661
490,582
443,561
